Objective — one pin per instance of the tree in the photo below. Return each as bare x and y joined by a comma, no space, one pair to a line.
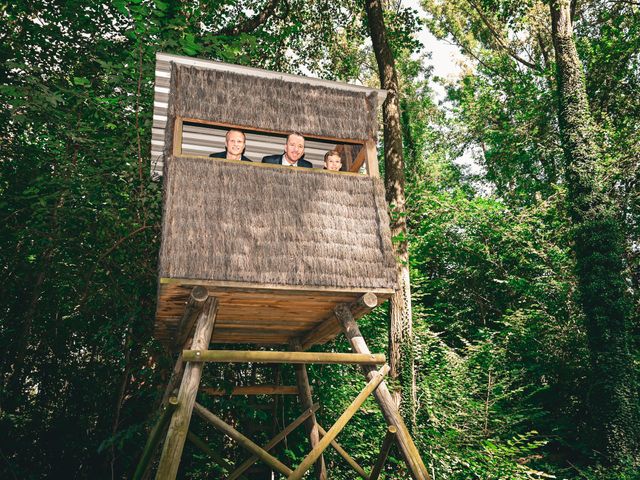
80,216
528,108
599,249
401,323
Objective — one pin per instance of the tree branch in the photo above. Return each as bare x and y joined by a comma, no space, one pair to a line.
252,23
500,41
105,254
626,2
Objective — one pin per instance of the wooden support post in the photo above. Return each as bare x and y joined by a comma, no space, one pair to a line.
372,158
193,308
240,356
241,439
177,433
304,391
177,136
273,442
215,456
383,396
252,390
198,296
348,458
174,380
357,163
154,437
384,452
375,380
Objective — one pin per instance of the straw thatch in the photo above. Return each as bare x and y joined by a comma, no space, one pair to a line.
240,222
273,104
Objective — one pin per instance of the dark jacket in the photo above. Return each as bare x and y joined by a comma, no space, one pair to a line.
277,160
224,155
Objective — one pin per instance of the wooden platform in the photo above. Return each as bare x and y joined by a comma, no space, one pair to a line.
265,315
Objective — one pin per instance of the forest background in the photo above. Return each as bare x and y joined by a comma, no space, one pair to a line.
509,374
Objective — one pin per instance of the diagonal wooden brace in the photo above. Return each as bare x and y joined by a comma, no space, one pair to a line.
375,380
227,429
215,456
304,391
383,396
273,442
348,458
384,452
154,438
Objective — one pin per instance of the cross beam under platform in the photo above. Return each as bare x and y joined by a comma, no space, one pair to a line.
242,356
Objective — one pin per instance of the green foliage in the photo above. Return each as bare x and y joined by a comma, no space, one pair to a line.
500,345
505,107
80,373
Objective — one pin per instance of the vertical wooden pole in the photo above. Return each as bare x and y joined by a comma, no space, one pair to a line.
183,341
383,396
337,427
311,424
384,452
371,158
177,137
177,433
154,438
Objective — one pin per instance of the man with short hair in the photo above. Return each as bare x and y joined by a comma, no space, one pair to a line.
293,153
234,142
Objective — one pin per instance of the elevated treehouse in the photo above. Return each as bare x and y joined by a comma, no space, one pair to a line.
262,254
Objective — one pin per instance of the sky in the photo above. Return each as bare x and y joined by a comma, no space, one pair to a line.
446,60
445,56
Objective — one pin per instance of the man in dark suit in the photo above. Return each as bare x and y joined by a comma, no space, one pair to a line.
234,142
293,153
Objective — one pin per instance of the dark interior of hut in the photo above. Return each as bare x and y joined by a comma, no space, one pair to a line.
202,139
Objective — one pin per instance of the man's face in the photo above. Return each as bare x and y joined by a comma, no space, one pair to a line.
333,163
294,148
234,142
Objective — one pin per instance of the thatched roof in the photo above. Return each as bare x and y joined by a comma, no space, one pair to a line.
232,221
273,104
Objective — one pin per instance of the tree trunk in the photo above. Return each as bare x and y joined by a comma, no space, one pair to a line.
400,330
599,249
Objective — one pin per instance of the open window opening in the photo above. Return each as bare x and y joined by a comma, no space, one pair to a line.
199,138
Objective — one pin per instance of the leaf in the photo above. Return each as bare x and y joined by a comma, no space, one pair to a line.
81,81
121,6
161,5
